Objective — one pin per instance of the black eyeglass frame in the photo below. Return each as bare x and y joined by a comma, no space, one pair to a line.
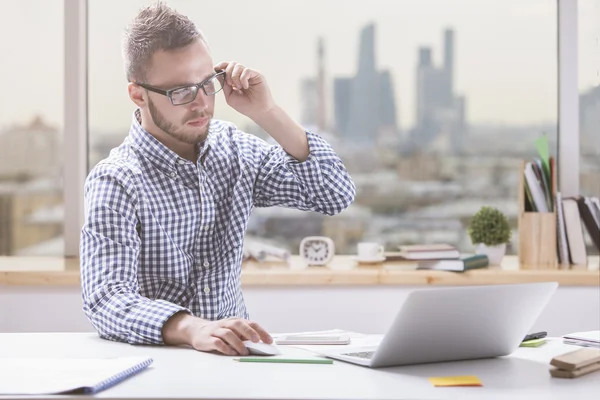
168,93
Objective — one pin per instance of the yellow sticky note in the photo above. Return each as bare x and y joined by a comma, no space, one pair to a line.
467,380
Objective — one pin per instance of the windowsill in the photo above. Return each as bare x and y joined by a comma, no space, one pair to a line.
52,271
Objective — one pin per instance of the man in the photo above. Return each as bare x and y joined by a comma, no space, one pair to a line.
166,212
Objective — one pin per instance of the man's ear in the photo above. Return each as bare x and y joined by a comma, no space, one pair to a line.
136,94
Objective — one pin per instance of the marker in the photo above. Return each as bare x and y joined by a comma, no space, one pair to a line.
285,360
537,335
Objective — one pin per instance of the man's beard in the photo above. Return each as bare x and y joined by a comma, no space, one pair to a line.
160,121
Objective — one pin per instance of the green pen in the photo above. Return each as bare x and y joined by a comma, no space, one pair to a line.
285,360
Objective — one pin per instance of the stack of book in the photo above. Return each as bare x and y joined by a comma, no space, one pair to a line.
570,213
442,257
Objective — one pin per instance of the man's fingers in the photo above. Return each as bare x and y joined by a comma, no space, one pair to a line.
264,336
232,339
221,65
229,72
220,346
247,73
244,330
235,76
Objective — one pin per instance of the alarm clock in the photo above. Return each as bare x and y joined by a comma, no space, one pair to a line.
317,250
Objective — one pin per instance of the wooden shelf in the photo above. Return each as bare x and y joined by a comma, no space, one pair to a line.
343,270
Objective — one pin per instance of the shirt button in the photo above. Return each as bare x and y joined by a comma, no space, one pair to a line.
206,263
172,174
207,290
180,161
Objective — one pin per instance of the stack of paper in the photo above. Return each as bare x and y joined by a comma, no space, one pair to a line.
586,339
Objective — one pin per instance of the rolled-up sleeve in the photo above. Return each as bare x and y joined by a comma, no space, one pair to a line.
110,249
321,183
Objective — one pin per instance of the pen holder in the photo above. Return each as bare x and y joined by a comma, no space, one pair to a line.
537,234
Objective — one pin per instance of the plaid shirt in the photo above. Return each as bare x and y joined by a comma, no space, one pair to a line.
163,234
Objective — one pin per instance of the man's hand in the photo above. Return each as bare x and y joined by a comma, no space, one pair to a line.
224,336
246,90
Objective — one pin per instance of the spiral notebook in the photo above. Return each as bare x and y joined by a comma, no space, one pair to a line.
36,376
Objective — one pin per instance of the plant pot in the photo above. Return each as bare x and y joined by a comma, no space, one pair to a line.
495,254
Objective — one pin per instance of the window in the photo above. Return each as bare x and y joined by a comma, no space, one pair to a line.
431,112
31,118
589,101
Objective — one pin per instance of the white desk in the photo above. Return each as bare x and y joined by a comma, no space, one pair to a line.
187,374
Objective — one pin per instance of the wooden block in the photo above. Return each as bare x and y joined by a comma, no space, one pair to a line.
576,359
561,373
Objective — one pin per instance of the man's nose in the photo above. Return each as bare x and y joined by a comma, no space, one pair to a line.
200,102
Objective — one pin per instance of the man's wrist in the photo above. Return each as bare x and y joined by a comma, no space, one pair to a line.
265,116
177,330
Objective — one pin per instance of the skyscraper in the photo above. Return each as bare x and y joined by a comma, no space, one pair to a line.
321,83
439,111
342,92
448,67
312,94
309,102
364,104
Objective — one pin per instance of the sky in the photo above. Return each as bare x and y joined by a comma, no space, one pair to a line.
505,52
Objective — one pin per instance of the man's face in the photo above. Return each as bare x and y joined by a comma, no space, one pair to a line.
187,123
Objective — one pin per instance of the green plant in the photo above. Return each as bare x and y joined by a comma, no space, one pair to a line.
490,227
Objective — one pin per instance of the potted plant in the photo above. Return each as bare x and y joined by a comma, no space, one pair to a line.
490,232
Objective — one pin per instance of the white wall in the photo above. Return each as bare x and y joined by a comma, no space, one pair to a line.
366,309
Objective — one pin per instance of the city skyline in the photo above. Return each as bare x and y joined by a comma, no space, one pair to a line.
483,65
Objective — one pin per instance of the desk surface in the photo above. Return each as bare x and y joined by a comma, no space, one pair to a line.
343,270
188,374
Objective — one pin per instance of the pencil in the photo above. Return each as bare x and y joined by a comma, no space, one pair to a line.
285,360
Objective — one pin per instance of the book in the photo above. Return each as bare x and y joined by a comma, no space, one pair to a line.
535,188
563,246
596,207
428,252
574,232
586,211
45,376
460,265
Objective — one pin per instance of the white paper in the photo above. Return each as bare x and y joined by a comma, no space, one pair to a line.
364,341
320,333
590,336
58,375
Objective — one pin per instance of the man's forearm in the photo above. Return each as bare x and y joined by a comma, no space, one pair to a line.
291,136
176,330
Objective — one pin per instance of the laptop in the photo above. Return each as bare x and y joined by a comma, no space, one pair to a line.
451,324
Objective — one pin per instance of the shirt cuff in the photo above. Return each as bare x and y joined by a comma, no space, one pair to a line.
149,317
317,148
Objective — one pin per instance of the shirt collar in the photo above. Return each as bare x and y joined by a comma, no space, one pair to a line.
157,152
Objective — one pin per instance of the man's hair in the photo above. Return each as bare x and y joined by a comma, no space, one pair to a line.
156,27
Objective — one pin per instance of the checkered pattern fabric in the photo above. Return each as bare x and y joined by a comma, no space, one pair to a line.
163,234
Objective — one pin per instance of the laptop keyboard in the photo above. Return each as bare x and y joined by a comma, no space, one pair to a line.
361,354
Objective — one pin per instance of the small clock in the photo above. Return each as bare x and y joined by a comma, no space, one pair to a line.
317,250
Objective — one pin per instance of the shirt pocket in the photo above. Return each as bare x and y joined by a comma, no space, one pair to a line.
173,291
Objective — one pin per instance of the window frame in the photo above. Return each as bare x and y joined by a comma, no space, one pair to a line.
76,132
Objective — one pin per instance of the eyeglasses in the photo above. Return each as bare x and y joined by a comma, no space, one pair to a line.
186,94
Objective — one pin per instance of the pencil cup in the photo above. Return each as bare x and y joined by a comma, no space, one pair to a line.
537,235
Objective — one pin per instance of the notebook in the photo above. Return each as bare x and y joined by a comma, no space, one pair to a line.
428,251
463,264
42,376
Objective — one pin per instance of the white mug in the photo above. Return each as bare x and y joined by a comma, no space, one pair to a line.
370,251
